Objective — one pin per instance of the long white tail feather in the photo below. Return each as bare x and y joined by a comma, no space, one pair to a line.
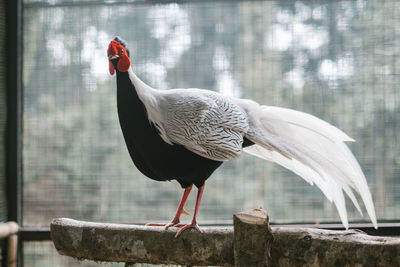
353,198
313,149
305,120
294,165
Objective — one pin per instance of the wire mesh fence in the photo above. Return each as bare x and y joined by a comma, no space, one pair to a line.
337,60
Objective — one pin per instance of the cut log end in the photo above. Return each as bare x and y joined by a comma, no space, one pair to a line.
254,217
252,238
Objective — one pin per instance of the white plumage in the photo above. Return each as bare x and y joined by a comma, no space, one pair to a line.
318,154
213,126
205,123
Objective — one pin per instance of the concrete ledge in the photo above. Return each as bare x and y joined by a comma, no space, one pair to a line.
215,246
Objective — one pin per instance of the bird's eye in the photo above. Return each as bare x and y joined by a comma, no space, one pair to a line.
121,52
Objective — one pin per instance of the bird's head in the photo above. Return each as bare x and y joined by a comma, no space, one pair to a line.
118,56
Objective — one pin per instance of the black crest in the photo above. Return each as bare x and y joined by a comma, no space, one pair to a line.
119,40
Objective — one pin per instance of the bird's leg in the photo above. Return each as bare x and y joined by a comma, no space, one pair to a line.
196,211
179,211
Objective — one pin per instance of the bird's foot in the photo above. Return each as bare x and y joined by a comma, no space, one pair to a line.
166,225
173,224
187,226
155,224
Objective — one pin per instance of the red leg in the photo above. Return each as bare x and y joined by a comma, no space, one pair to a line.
175,221
196,211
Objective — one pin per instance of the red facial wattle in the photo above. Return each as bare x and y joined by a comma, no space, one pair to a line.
111,68
117,49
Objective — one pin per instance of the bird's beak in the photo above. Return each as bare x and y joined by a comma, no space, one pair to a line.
112,57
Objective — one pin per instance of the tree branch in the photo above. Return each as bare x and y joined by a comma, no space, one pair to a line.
215,246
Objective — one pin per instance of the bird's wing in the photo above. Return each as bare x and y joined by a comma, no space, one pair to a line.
205,123
313,149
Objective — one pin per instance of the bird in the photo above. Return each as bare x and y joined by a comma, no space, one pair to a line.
186,134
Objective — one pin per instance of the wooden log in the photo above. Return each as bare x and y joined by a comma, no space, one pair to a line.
252,238
290,247
142,244
317,247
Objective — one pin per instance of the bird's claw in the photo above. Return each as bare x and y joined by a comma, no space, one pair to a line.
171,224
166,225
187,226
155,224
